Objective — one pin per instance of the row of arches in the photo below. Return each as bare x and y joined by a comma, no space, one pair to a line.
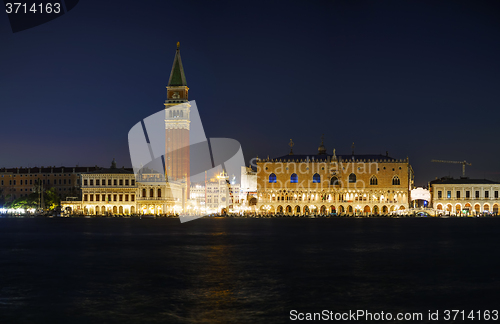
110,210
151,193
327,209
468,208
175,113
334,181
373,196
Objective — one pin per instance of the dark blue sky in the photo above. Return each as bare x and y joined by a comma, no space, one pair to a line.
417,79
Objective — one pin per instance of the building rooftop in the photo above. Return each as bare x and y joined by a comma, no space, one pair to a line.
463,181
61,169
177,76
316,157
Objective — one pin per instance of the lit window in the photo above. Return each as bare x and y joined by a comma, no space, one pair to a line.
272,178
316,178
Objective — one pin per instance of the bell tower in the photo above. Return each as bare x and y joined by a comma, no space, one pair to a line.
177,110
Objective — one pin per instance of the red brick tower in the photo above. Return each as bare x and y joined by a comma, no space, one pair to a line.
177,121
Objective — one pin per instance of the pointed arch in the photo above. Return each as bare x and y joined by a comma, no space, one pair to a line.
316,178
334,181
352,178
396,181
373,180
272,178
294,178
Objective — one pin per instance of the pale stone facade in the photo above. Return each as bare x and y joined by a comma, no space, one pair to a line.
465,197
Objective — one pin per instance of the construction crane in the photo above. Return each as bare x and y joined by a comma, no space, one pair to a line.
463,163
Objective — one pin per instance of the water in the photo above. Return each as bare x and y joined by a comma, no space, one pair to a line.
115,270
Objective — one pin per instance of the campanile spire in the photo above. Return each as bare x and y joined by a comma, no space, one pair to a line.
177,76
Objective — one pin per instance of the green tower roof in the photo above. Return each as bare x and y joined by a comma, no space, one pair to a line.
177,77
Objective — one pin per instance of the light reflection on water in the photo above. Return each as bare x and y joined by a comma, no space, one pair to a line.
240,270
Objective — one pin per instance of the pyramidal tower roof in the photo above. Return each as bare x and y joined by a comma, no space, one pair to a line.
177,77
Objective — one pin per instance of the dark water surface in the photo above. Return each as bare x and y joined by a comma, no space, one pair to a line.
113,270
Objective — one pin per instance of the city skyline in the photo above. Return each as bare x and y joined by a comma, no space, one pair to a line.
426,90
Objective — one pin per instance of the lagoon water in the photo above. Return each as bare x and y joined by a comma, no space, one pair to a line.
126,270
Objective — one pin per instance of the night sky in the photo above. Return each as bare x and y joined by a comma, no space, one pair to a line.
417,79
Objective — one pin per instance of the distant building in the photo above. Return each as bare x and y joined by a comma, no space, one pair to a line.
220,194
20,182
420,197
248,187
325,183
465,196
197,197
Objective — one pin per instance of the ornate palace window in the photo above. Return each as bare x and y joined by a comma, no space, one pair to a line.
316,178
352,178
272,178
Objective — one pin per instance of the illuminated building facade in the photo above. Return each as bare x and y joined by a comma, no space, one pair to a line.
117,191
248,184
464,197
156,196
222,198
197,196
342,184
20,182
216,196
